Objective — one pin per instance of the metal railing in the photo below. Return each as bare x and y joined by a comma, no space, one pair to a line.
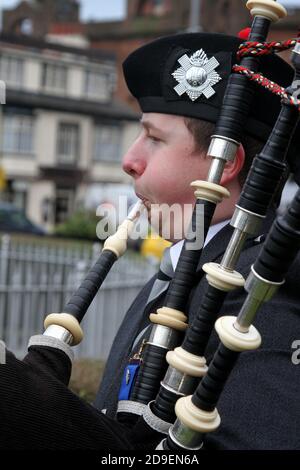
38,279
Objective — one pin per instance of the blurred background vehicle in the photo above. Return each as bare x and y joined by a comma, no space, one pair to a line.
153,247
13,219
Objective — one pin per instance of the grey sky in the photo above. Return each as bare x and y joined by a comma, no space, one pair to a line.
90,9
103,9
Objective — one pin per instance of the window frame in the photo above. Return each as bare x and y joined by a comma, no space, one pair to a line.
93,93
18,79
107,126
52,87
63,158
17,134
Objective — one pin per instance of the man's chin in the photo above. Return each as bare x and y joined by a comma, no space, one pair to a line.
171,226
160,229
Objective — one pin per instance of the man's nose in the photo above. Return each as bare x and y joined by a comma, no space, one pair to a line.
133,164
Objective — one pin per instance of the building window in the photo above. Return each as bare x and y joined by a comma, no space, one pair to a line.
107,143
11,70
54,78
64,202
68,143
97,85
18,134
26,26
160,7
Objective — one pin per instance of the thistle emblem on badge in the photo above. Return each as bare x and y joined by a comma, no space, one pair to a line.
197,75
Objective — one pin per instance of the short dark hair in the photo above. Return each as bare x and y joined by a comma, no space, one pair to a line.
202,132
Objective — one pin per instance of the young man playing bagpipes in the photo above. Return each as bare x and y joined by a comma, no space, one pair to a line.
180,83
169,153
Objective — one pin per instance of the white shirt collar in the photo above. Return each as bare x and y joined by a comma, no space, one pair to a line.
175,250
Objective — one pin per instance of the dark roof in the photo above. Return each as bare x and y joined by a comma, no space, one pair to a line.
148,27
127,35
110,110
25,41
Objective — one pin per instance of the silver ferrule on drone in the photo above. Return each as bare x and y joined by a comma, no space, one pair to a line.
185,437
259,290
245,223
59,332
221,150
233,250
179,382
163,337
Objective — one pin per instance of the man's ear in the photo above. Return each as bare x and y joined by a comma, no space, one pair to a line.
233,168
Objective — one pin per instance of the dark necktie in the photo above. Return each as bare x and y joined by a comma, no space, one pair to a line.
164,276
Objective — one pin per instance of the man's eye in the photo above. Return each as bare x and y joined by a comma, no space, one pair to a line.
153,138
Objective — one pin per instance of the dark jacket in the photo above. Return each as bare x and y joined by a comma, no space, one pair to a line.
259,405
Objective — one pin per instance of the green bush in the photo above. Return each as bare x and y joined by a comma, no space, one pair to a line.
82,224
85,378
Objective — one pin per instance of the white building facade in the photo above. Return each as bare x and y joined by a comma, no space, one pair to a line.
61,132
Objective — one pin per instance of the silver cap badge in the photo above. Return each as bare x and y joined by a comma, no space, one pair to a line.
197,75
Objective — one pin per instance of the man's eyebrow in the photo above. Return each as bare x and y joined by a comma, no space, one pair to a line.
149,125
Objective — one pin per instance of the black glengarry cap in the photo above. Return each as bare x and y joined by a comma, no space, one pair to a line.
161,75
